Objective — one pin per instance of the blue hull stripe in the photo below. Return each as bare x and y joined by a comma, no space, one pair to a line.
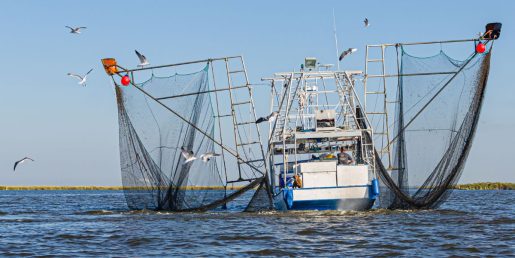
316,205
331,187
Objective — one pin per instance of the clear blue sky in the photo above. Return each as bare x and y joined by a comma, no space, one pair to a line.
72,131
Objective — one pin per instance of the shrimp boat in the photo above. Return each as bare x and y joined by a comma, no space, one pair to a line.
327,151
190,139
320,155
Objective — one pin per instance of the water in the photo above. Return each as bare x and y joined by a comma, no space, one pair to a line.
97,223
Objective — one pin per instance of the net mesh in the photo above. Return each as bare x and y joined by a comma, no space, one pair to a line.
154,172
435,120
262,199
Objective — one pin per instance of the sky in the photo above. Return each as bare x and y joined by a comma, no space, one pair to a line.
72,131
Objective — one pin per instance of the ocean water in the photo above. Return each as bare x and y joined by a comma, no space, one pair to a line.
98,223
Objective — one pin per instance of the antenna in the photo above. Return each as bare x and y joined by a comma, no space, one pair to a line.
336,42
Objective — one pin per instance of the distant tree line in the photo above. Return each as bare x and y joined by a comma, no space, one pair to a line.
486,186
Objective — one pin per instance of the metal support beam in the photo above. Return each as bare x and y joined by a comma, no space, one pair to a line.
422,43
199,92
407,74
176,64
229,150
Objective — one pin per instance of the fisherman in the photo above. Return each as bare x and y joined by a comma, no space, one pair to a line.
344,158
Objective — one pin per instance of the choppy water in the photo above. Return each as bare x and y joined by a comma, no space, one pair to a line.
97,223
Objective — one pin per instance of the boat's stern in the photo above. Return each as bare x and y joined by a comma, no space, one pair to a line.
328,186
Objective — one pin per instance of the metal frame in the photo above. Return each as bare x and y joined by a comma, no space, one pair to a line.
386,138
347,101
225,148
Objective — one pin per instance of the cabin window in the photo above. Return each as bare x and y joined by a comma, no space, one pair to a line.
325,123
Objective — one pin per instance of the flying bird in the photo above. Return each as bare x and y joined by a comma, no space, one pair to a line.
366,22
188,155
142,59
75,30
271,118
347,52
207,156
82,79
21,161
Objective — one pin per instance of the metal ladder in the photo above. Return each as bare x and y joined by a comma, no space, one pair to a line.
346,98
282,119
238,140
346,105
382,114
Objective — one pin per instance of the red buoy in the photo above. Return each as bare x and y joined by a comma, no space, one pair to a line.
480,48
125,80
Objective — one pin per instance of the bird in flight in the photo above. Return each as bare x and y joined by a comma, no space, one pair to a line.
366,22
21,161
207,156
75,30
271,118
142,59
188,155
82,79
347,52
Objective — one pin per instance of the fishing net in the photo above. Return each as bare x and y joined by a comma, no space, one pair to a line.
262,198
437,109
154,172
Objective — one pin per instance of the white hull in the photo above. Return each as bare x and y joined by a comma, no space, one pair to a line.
356,198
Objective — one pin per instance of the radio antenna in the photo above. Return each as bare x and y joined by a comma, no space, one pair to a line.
336,42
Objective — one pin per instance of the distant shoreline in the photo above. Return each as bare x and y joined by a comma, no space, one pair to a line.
486,186
105,188
474,186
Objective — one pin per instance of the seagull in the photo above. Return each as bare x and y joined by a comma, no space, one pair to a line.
75,30
21,161
347,52
207,156
142,59
81,78
188,155
366,22
271,118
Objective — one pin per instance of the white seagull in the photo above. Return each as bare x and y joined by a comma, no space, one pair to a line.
366,22
271,118
347,52
207,156
188,155
82,79
75,30
142,59
21,161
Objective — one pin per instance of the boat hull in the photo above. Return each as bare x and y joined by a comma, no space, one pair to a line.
356,204
352,198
